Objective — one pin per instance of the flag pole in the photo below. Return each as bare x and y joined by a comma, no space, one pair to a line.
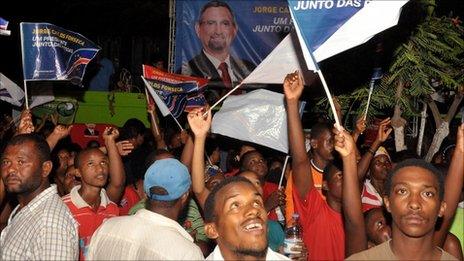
371,89
329,97
178,124
283,171
26,100
152,116
223,97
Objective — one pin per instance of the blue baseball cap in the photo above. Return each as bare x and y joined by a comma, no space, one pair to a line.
166,175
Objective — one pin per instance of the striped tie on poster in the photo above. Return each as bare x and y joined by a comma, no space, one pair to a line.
174,93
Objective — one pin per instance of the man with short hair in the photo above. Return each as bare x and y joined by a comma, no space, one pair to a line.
216,28
235,217
41,226
152,233
414,197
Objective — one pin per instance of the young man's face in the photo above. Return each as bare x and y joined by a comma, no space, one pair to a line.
21,169
240,226
334,185
93,169
256,163
380,167
216,29
377,229
323,145
414,201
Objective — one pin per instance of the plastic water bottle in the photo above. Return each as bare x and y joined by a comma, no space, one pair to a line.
280,215
293,235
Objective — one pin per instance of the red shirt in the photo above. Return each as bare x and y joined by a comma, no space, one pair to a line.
268,188
323,232
128,200
88,220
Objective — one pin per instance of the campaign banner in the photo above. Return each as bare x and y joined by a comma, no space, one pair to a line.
53,53
240,33
174,93
4,27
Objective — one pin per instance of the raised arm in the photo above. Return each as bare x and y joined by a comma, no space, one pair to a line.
355,235
187,151
382,135
453,184
302,178
59,132
160,142
25,123
200,126
115,188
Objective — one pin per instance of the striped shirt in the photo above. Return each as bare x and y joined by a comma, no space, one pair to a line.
370,198
44,229
87,218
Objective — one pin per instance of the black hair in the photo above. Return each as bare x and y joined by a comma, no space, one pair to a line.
337,163
151,158
245,158
416,163
216,3
80,154
319,128
41,145
210,145
210,202
132,128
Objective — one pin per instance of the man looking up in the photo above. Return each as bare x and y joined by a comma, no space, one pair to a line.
41,226
236,218
89,202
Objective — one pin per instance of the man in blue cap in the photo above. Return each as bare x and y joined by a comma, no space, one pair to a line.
152,232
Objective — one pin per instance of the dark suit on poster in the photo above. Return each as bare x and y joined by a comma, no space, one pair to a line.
201,66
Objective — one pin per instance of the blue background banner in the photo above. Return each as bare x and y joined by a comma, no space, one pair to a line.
53,53
261,26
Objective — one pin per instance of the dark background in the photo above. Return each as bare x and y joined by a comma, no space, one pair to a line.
132,32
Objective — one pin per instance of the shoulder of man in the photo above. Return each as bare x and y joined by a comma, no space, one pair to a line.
379,252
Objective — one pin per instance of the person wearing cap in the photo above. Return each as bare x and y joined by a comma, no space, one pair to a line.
152,233
372,192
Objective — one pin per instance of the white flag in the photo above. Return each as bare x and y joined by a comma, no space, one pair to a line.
159,102
258,116
10,91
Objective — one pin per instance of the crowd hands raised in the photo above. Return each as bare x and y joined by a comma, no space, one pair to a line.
179,195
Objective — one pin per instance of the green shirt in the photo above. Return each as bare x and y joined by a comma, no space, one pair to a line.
457,227
190,220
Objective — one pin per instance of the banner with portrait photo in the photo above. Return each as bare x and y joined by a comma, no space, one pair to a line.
245,31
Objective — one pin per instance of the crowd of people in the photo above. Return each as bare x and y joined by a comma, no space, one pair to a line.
162,194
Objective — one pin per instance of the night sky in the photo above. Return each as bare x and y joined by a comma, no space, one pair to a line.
144,24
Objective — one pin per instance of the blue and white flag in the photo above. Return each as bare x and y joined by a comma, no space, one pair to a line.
4,27
324,28
328,27
53,53
10,92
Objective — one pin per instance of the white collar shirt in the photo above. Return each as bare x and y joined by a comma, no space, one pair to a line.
216,62
44,229
270,255
143,236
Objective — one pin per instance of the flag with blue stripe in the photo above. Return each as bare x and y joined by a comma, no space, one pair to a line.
53,53
178,93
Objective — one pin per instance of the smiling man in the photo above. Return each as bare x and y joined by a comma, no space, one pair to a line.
236,219
414,197
216,28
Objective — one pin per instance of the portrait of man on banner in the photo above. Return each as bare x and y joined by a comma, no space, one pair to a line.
216,28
